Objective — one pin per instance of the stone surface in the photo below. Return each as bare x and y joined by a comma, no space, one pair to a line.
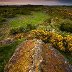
35,56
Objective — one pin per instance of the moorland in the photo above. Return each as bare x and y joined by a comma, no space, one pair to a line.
51,24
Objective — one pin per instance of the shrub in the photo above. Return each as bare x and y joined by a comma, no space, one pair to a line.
17,30
31,27
58,41
68,43
13,31
19,36
22,29
66,26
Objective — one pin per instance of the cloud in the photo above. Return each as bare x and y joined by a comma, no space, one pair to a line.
56,1
19,0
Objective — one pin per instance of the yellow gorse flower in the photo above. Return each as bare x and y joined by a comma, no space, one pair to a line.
57,40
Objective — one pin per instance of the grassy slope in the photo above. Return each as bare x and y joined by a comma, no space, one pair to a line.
6,52
22,21
35,18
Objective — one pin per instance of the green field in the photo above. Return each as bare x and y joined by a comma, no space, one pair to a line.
35,18
17,21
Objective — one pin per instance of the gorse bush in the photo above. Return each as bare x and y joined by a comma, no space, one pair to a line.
31,27
17,30
22,29
58,41
66,26
68,42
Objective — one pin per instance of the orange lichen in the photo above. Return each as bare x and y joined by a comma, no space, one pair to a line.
36,56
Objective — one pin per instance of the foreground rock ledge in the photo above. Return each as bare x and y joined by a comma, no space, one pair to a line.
35,56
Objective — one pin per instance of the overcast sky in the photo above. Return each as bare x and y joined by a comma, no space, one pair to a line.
44,2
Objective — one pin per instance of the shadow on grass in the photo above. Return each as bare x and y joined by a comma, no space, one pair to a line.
6,52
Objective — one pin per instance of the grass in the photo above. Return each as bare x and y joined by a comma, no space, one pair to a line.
68,56
42,18
35,18
6,52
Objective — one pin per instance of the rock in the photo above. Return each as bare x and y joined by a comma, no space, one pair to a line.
35,56
6,41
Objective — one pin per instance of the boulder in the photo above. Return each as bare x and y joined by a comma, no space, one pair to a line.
36,56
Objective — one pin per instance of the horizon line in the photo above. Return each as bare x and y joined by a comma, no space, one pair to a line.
33,3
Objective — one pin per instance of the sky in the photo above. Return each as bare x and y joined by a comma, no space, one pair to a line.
37,2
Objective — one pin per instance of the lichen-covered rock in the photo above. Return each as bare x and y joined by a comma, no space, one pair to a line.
53,61
35,56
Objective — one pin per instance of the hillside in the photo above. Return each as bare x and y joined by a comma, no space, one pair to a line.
51,24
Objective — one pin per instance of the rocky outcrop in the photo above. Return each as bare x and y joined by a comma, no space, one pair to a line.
35,56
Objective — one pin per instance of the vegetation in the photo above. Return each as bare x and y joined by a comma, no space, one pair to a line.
66,26
52,24
2,19
6,52
17,30
58,41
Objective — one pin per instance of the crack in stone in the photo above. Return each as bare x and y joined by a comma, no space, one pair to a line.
37,57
